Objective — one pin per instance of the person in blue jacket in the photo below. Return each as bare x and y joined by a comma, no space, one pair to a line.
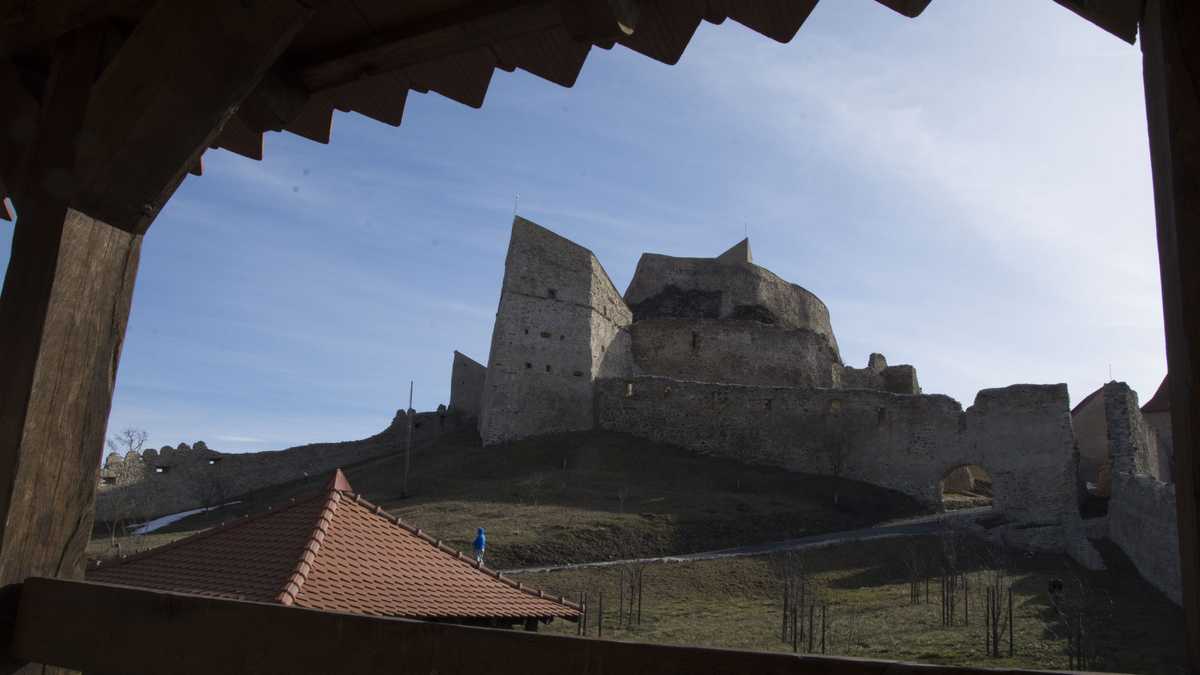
480,544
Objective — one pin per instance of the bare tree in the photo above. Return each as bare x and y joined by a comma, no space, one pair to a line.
129,440
125,504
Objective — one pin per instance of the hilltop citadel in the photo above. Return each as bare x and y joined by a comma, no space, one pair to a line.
723,357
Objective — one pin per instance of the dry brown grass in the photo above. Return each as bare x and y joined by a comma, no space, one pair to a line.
736,603
586,496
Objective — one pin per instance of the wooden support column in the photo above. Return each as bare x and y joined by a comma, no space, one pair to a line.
116,133
1171,71
63,312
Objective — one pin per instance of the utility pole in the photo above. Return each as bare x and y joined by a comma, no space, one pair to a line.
408,437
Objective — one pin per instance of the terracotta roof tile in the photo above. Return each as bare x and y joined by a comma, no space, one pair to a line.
334,551
1161,400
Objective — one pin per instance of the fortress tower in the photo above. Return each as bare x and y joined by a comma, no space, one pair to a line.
561,326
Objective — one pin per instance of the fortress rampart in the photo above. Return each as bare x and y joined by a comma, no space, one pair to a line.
665,287
1021,434
1142,518
141,486
737,352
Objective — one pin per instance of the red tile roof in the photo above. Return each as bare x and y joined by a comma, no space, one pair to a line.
338,552
1161,400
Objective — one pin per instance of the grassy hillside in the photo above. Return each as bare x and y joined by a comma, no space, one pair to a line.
582,496
737,603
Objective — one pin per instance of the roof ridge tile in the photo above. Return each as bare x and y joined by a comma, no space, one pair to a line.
308,555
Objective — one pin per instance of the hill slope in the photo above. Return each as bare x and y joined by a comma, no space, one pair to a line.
584,496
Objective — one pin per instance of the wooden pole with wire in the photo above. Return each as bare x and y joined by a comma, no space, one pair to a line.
408,414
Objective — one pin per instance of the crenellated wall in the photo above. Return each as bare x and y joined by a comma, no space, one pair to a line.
141,486
901,379
1021,435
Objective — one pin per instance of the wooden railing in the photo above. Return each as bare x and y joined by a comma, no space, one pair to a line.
100,628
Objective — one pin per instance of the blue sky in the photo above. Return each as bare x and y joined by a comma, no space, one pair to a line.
969,192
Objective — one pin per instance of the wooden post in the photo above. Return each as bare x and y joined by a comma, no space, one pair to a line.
621,598
119,127
795,627
987,623
811,610
600,616
1170,61
824,614
1010,621
408,415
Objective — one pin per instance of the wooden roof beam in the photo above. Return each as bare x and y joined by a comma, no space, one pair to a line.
25,24
439,37
909,8
131,163
1119,17
451,34
18,124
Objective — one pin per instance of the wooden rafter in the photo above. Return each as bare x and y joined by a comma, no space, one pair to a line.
203,60
909,8
27,23
433,39
1119,17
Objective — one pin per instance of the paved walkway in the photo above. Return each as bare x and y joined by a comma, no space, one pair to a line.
909,527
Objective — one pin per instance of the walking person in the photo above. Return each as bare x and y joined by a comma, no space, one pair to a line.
480,544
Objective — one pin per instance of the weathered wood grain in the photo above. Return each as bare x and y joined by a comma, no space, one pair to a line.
63,312
1171,61
182,634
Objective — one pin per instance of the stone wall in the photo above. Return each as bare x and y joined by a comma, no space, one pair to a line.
901,379
1021,435
560,323
1142,519
141,486
467,378
739,352
665,287
1160,422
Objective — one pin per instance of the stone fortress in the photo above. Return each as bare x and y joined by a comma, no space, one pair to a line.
723,357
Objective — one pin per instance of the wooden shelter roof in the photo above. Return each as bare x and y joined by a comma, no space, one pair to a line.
365,56
334,551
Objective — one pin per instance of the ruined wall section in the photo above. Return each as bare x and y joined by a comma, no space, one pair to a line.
736,352
1021,435
899,379
666,287
1142,519
467,378
141,486
555,328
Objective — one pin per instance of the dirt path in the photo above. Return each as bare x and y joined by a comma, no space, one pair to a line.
909,527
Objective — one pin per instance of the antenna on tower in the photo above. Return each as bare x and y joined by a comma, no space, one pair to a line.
1110,372
516,201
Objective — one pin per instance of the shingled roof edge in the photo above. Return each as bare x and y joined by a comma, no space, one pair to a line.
217,529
